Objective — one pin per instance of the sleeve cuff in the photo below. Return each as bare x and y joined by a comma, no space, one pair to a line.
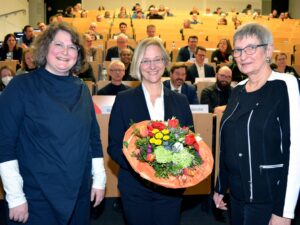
12,183
98,173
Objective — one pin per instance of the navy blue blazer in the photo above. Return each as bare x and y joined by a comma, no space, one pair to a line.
184,54
192,72
130,106
188,90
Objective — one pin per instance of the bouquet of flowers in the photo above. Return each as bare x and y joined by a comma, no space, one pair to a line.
167,154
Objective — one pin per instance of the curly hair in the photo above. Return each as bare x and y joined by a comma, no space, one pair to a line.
42,42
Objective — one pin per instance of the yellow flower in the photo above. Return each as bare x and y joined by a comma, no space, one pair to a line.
158,135
152,140
158,142
154,131
165,131
166,137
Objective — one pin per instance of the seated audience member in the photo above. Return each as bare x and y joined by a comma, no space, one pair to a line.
6,75
10,50
222,53
95,35
28,64
177,83
126,58
107,15
91,52
222,21
84,14
287,15
116,71
138,15
101,8
281,65
42,26
216,96
136,7
26,40
194,11
154,14
122,13
199,68
114,52
274,13
99,18
218,11
77,8
151,30
69,13
168,12
123,30
186,54
195,20
59,18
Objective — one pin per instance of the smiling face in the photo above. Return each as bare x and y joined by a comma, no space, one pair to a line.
223,45
253,64
178,76
62,54
152,65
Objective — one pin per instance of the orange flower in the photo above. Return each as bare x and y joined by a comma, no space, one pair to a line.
144,131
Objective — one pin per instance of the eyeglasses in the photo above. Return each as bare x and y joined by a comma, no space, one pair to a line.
116,70
249,50
156,62
59,46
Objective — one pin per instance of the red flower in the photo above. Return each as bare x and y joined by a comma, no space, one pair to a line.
158,125
190,139
185,128
173,123
196,146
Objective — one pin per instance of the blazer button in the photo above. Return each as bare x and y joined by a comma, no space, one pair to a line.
240,154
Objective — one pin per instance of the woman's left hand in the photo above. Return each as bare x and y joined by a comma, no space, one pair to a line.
277,220
97,196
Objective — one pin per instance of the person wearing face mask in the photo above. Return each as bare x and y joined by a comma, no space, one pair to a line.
6,74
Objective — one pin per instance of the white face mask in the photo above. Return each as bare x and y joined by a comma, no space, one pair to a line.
6,80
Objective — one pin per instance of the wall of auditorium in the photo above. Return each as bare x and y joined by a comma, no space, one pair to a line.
15,21
227,5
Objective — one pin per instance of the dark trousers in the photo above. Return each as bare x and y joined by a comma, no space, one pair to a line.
147,204
242,213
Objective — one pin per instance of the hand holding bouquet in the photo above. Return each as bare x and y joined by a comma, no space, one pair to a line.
167,154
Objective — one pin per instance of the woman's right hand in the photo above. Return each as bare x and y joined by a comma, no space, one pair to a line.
218,199
19,213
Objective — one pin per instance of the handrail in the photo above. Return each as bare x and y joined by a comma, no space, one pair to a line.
13,12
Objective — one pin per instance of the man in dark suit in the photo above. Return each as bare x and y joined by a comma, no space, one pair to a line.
114,52
177,82
187,53
199,68
216,96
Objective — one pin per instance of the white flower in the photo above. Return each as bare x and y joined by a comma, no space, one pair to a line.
198,138
177,147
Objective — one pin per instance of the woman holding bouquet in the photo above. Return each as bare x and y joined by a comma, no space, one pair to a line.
145,202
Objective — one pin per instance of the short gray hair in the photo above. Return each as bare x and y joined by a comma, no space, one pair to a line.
139,53
262,33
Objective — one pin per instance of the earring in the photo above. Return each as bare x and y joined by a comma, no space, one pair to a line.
268,60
